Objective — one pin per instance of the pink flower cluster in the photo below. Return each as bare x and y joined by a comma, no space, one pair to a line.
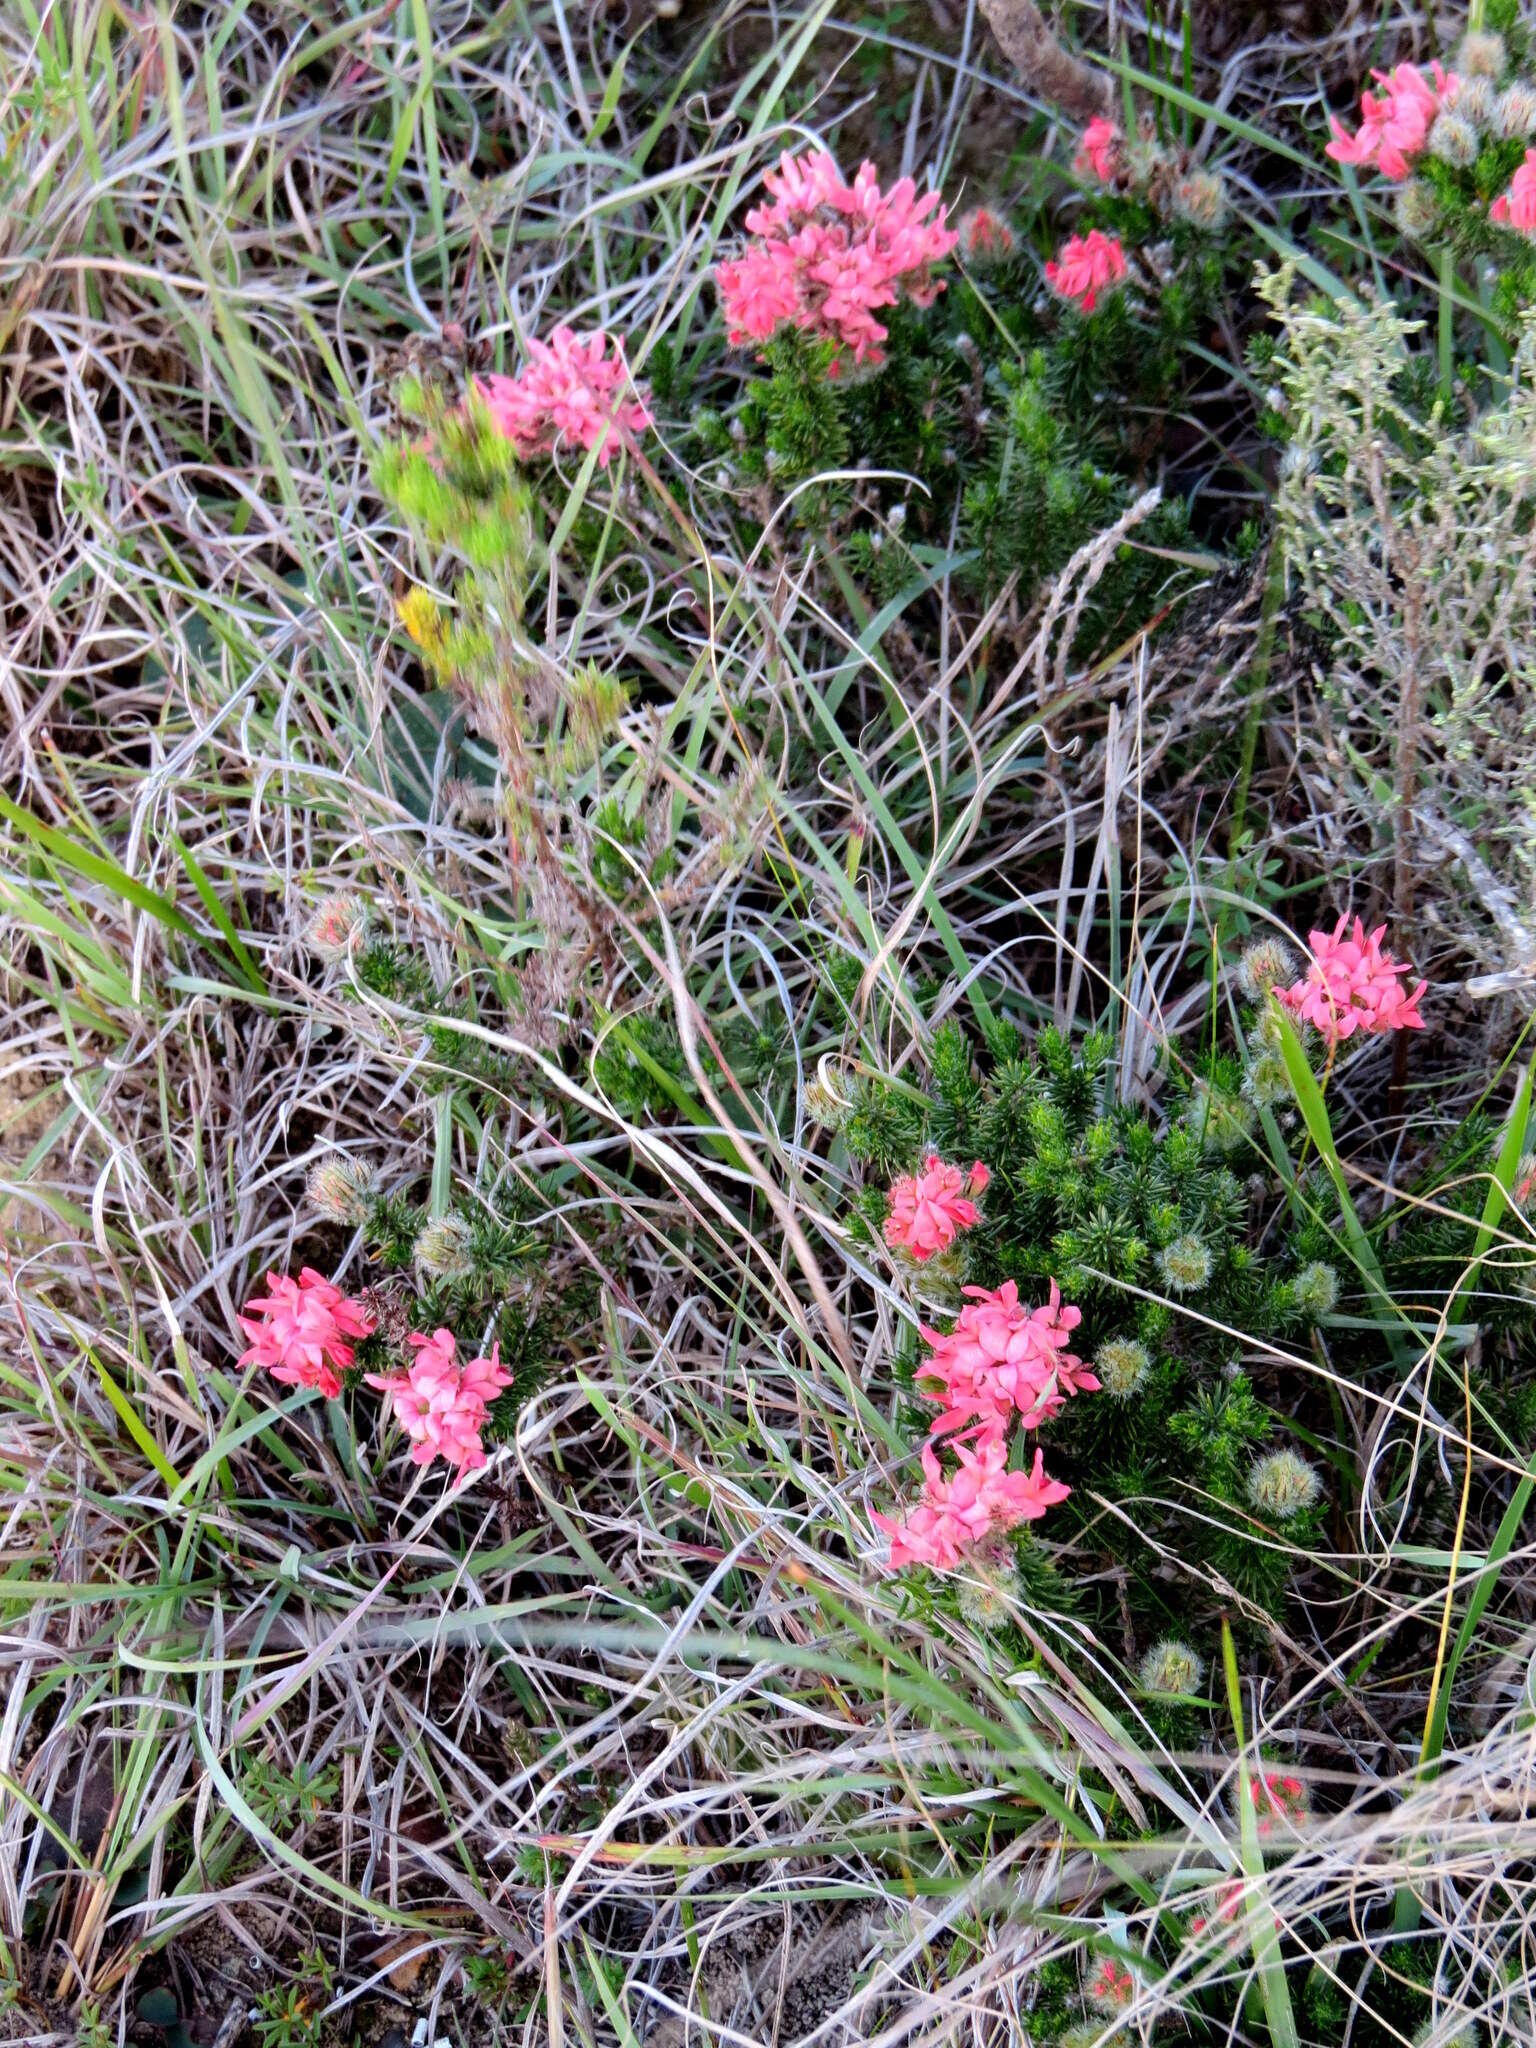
1516,208
1086,266
1003,1361
956,1513
442,1402
302,1331
1352,985
930,1209
1099,150
1395,122
570,388
826,255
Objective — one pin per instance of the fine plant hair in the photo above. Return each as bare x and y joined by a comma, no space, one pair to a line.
1405,519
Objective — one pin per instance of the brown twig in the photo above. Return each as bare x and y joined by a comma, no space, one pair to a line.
1027,41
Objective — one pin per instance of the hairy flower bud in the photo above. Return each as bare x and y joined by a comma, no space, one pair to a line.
1108,1985
442,1251
1200,197
337,924
1481,55
1283,1485
985,237
1454,141
988,1587
1170,1666
1264,964
1475,102
1514,117
1448,2032
1186,1264
1122,1366
823,1107
342,1189
1416,210
1221,1121
1316,1289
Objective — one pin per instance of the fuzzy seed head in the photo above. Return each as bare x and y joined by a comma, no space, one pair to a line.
1448,2033
987,1587
337,924
1316,1289
1221,1121
1200,197
1186,1264
341,1189
1122,1366
1263,964
1417,209
1481,55
1283,1485
1142,160
442,1249
1267,1083
1475,102
1454,141
824,1107
1171,1666
1514,117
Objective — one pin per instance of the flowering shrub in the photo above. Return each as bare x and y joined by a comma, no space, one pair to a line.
570,388
995,397
1457,144
825,256
1089,1206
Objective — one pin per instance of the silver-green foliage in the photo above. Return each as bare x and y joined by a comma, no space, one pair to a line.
1409,531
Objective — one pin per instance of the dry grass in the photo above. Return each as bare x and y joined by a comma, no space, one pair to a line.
634,1721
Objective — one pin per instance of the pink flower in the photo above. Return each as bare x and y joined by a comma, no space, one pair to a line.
1099,150
1087,265
1278,1797
1003,1360
826,255
929,1211
984,236
442,1403
570,388
1517,207
1109,1986
955,1513
1396,122
1352,985
300,1333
